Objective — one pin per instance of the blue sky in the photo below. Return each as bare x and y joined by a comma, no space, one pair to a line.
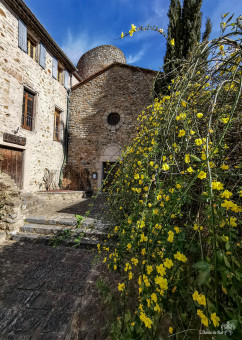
80,25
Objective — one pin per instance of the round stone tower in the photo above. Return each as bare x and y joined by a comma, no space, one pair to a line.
98,58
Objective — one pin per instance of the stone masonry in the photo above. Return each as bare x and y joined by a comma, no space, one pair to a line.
18,71
10,205
118,88
99,58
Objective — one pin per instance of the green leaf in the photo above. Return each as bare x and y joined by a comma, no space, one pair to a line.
202,265
195,158
226,261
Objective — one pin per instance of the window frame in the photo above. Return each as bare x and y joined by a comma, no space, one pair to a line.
24,118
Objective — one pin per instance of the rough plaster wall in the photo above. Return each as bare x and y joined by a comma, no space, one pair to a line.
16,70
120,89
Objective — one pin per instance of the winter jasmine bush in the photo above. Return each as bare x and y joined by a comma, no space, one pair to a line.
175,202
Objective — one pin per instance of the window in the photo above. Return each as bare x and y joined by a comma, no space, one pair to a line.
57,122
31,48
60,74
28,110
113,118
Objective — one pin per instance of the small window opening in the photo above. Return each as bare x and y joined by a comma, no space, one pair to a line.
57,125
113,118
31,48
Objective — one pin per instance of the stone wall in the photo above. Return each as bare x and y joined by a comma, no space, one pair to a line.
98,58
10,205
123,89
18,70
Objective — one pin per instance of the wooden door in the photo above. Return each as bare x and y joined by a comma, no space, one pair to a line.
11,162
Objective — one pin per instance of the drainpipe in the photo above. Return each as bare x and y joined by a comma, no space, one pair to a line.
65,141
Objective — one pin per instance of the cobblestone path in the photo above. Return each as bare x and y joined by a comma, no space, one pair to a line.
41,288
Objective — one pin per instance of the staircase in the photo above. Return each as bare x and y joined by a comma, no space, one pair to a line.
62,231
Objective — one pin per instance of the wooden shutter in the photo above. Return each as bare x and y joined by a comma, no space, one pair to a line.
22,36
54,67
66,79
42,55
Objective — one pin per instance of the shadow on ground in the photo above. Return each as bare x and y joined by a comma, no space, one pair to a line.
49,293
98,207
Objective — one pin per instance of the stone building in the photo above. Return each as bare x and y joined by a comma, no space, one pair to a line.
104,107
43,96
34,82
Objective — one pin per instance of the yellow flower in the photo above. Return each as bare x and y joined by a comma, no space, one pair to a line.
129,246
225,120
215,319
134,261
199,115
127,267
190,170
168,263
181,133
184,104
122,35
172,42
136,176
224,167
130,275
149,269
143,238
177,230
187,158
161,269
162,282
200,298
143,251
202,175
154,297
157,308
180,257
121,286
217,185
147,321
133,29
170,330
165,167
232,221
226,194
171,236
152,163
203,317
198,141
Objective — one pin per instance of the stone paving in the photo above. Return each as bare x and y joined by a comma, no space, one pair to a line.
41,290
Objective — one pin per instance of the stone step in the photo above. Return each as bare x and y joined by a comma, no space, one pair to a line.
50,240
68,222
51,221
57,229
